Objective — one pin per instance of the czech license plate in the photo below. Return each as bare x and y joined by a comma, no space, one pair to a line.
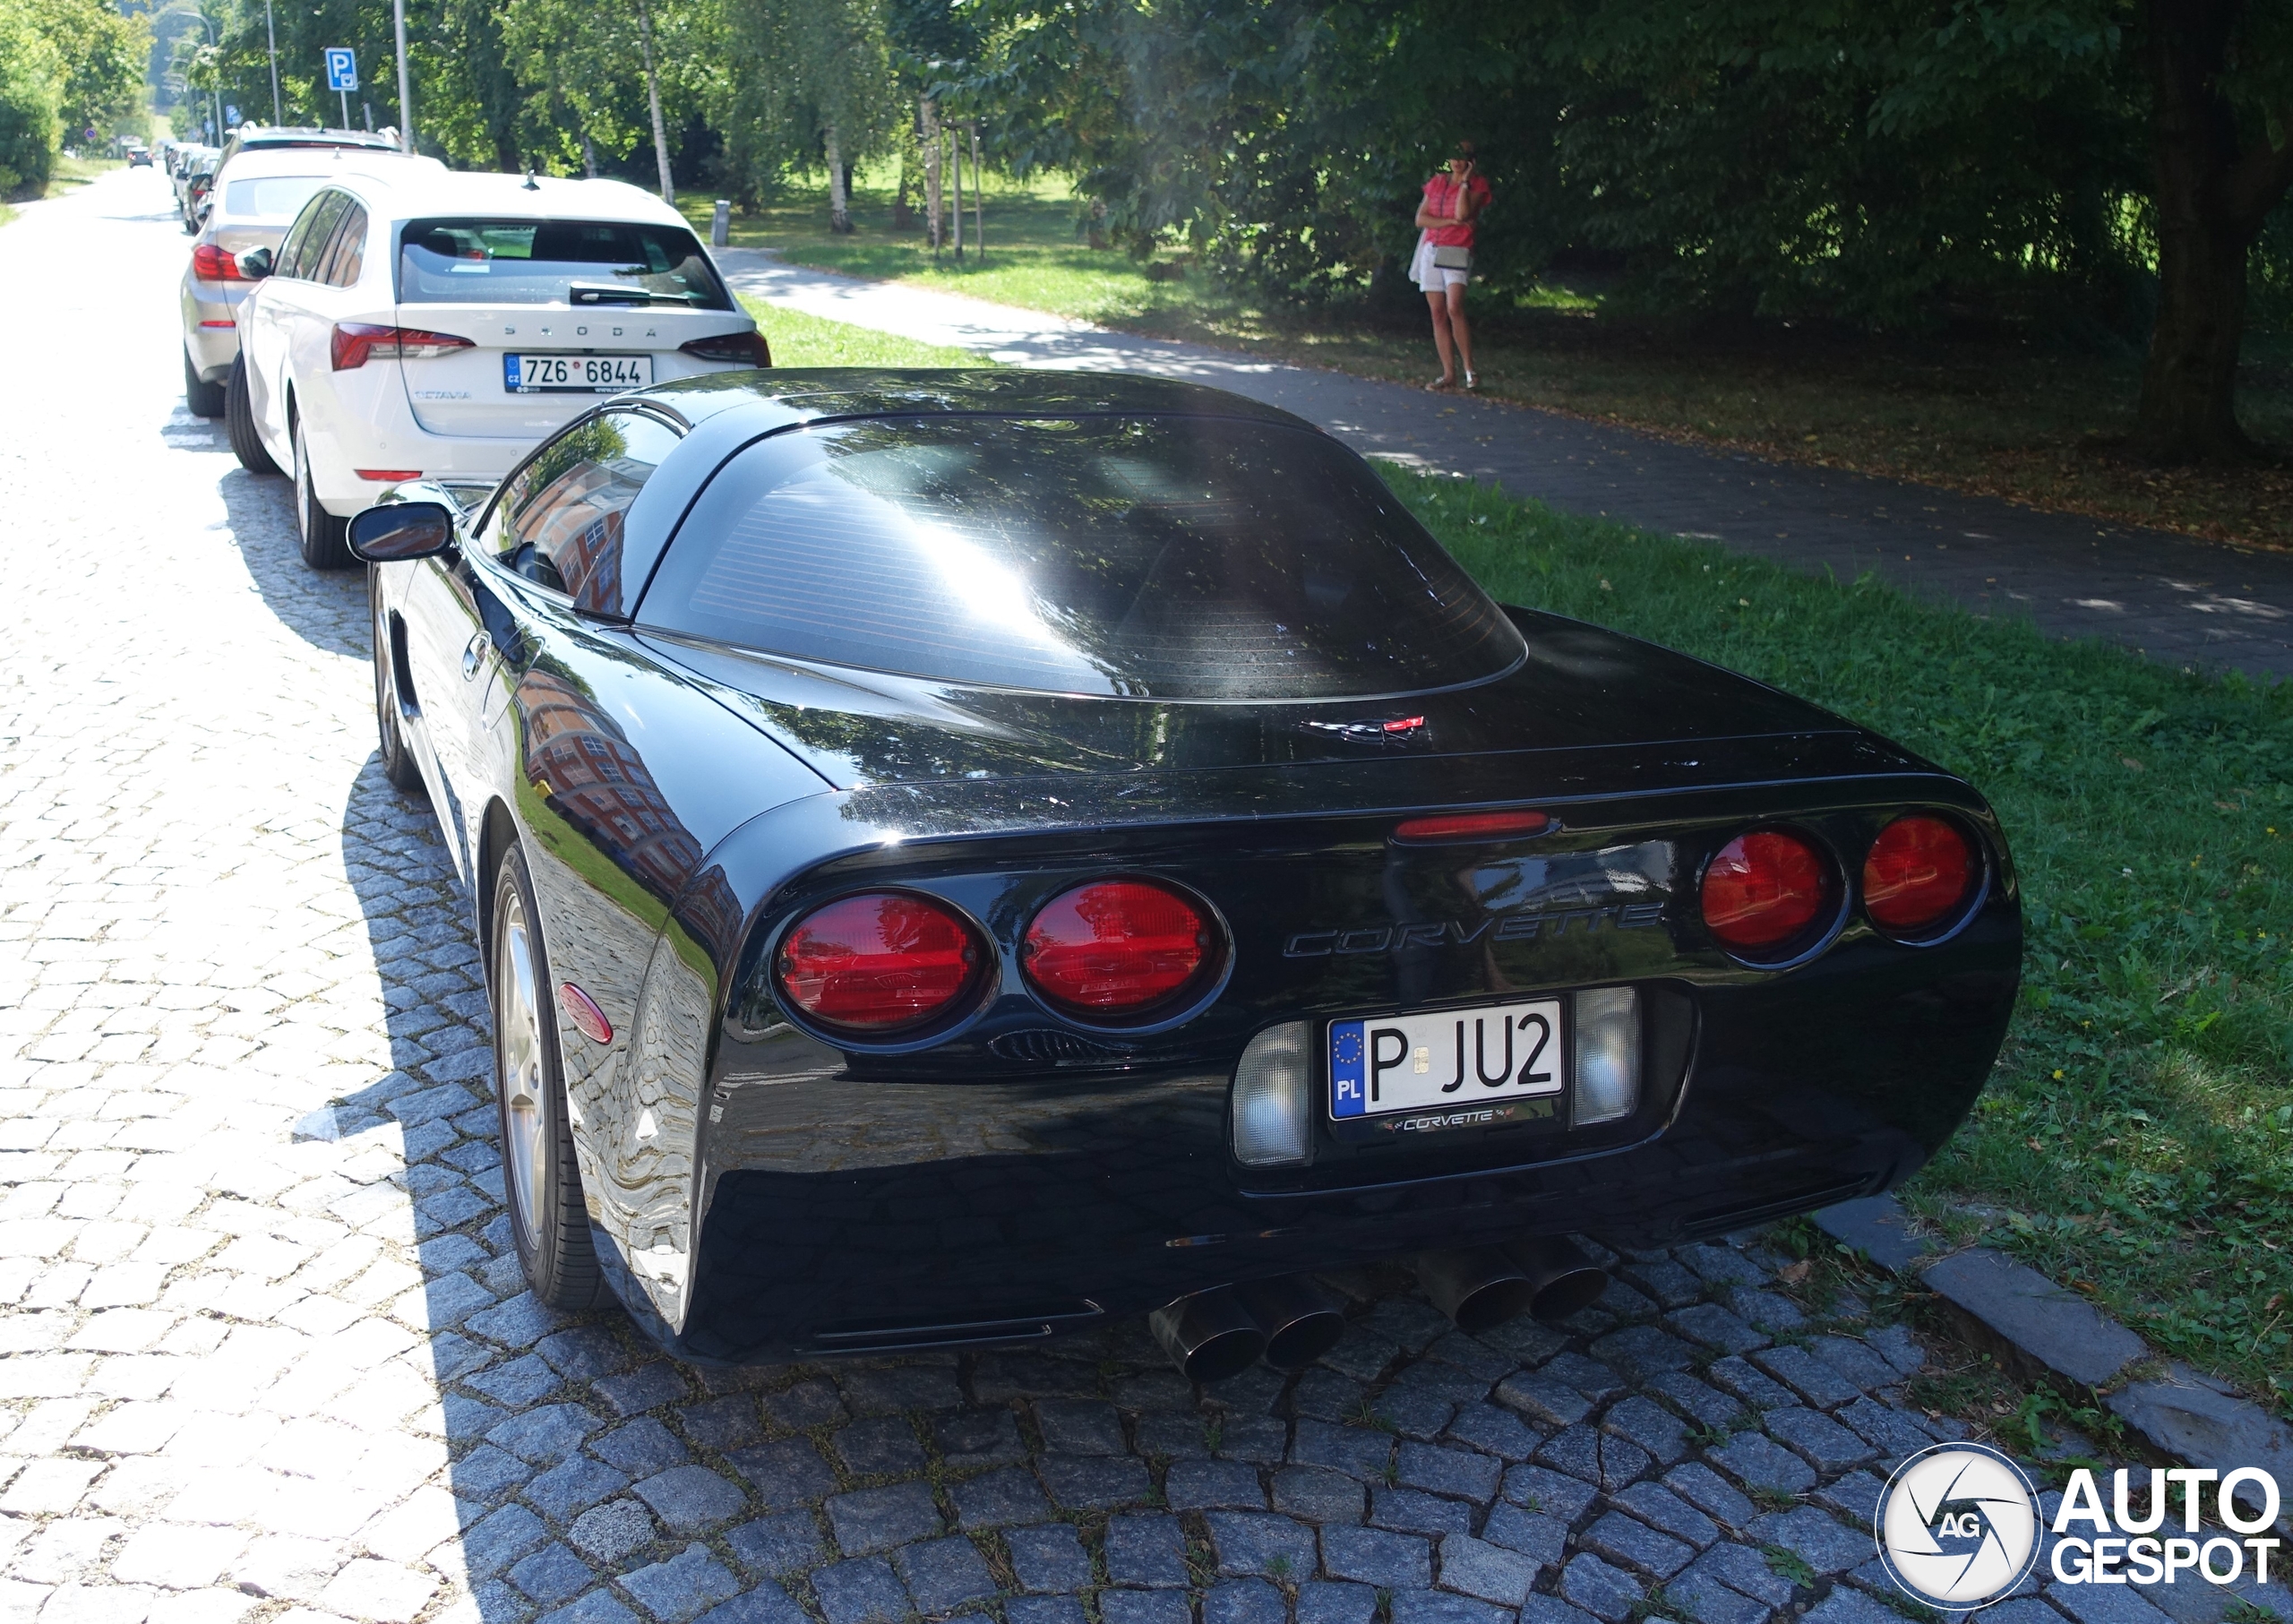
574,375
1451,1060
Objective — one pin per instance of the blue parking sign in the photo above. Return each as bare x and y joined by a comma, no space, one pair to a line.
341,68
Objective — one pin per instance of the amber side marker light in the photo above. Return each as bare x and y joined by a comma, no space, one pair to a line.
1917,873
879,962
1765,889
1471,826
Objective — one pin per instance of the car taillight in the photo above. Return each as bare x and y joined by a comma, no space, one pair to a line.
1764,889
1115,947
1918,871
388,475
1471,826
211,262
749,348
356,343
879,962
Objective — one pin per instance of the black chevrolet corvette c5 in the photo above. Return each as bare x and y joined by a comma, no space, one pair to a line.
961,856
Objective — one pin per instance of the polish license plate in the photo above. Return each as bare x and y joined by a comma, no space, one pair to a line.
1451,1060
527,374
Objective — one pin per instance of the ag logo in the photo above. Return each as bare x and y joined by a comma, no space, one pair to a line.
1958,1526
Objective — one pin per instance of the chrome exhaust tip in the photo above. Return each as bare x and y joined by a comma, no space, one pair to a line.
1478,1287
1562,1278
1300,1323
1209,1336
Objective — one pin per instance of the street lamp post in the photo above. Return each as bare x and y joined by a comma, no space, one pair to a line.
404,86
271,28
214,95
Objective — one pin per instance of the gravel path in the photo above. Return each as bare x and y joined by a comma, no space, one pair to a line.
2191,602
264,1352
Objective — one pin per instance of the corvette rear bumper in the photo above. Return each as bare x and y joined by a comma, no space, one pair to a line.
845,1214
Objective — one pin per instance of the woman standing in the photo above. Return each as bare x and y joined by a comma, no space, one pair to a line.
1452,200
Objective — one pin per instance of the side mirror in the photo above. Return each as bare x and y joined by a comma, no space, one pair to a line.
398,532
255,264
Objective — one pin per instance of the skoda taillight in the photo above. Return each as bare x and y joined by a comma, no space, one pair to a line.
1116,948
878,963
1764,890
356,343
749,348
1918,872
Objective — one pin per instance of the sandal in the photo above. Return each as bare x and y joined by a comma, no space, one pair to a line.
1442,386
1473,383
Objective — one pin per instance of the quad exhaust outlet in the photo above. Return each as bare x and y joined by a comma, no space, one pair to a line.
1216,1334
1481,1287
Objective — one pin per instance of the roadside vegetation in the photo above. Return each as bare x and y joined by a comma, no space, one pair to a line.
2136,1142
798,339
2037,420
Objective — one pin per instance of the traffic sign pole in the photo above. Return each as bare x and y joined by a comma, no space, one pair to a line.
405,89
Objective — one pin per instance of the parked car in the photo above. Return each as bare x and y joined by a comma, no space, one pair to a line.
272,138
194,184
263,191
963,855
419,324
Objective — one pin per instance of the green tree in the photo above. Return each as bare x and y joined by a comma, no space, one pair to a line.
30,78
807,81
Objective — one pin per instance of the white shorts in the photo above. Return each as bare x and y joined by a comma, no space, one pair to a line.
1431,278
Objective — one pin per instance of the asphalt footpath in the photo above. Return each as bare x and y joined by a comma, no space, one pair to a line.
2192,603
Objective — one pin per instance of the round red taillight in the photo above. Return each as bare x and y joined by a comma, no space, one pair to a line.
1917,873
1116,947
1764,889
877,962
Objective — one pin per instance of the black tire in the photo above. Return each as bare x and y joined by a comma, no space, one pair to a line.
205,399
239,419
326,539
541,1179
398,765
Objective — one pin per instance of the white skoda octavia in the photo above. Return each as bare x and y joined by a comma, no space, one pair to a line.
418,325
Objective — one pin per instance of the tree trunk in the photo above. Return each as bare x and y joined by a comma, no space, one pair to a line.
958,238
653,95
933,211
2212,198
839,210
978,199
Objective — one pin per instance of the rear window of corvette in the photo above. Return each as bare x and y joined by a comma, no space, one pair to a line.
1154,557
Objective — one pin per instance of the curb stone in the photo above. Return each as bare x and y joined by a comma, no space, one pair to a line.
2191,1417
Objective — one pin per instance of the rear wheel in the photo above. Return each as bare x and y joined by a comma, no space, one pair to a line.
205,399
239,419
398,765
548,1220
326,539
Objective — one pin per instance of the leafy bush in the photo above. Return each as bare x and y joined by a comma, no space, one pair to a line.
30,129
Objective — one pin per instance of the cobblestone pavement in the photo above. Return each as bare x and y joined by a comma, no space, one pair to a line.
2170,597
265,1354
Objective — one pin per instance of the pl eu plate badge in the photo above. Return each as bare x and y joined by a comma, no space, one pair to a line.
1348,1091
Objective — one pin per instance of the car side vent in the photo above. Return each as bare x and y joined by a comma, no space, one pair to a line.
1042,1047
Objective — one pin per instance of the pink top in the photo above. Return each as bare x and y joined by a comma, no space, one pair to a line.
1441,199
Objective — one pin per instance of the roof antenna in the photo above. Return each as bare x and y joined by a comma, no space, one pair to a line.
531,184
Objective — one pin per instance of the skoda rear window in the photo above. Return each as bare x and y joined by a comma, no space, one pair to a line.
556,263
269,197
1164,557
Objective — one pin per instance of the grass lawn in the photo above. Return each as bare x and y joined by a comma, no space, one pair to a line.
2018,421
798,339
2136,1142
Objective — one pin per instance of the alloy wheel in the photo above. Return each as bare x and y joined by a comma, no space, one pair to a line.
523,1077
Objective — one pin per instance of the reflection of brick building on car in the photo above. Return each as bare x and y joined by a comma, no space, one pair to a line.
584,766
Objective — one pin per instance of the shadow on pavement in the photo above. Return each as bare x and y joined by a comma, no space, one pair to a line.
562,1484
326,609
